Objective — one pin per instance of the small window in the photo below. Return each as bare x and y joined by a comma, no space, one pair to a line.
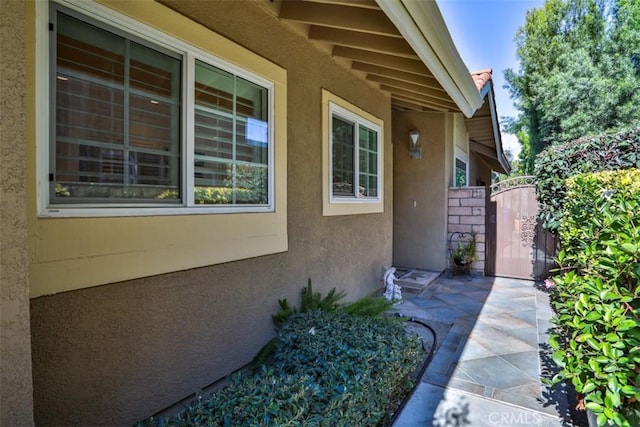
461,175
354,147
138,124
354,159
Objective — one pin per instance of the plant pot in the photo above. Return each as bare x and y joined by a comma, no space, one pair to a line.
461,262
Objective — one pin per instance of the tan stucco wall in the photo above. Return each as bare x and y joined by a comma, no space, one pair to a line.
479,172
460,134
69,253
420,189
16,399
118,353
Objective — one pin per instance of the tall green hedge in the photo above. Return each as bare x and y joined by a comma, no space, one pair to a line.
596,299
559,162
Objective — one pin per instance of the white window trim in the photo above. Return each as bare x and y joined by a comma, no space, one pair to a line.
347,205
460,155
336,110
190,53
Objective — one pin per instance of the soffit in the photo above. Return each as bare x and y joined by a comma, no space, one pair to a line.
360,36
484,132
480,128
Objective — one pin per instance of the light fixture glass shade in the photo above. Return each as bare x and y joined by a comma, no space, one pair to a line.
414,135
415,150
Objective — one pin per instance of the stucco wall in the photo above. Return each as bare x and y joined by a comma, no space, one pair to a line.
16,400
420,190
460,134
479,172
116,354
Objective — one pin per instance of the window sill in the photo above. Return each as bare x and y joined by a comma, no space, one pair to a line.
352,207
79,212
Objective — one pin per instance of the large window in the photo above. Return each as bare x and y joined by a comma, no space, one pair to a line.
353,158
136,123
146,123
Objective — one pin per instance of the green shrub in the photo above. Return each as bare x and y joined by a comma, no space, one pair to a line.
596,300
594,154
368,306
330,369
309,301
360,364
218,195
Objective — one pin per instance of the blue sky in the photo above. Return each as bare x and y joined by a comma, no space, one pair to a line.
483,31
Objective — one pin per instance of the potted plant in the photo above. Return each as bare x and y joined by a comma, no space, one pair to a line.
465,252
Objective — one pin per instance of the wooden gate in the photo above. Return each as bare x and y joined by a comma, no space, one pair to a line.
516,244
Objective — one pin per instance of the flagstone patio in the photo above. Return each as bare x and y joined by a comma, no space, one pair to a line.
492,335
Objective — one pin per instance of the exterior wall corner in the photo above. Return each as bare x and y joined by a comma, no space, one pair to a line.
16,389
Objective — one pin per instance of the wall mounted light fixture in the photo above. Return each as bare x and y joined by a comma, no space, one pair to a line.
415,149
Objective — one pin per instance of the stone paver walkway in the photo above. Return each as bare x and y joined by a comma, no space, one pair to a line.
492,335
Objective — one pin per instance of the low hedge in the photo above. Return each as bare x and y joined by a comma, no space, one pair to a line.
596,298
330,368
219,195
593,154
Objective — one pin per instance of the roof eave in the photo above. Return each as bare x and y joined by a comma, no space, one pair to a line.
487,91
423,27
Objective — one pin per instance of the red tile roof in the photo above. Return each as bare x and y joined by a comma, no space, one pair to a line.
481,77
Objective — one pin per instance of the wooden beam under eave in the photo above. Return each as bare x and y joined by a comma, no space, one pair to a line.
482,149
478,119
339,16
484,161
406,105
424,104
370,42
426,99
408,65
420,90
404,76
481,132
486,133
364,4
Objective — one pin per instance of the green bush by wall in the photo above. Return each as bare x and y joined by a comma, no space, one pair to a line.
559,162
596,299
330,368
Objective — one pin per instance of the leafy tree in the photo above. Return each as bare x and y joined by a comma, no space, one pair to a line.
579,72
515,127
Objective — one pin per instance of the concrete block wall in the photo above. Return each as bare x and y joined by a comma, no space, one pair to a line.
468,213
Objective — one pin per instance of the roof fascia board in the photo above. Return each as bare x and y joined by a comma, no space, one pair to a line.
423,27
487,91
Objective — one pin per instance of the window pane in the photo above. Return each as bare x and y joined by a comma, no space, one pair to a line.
231,139
117,110
343,137
368,147
252,126
461,173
